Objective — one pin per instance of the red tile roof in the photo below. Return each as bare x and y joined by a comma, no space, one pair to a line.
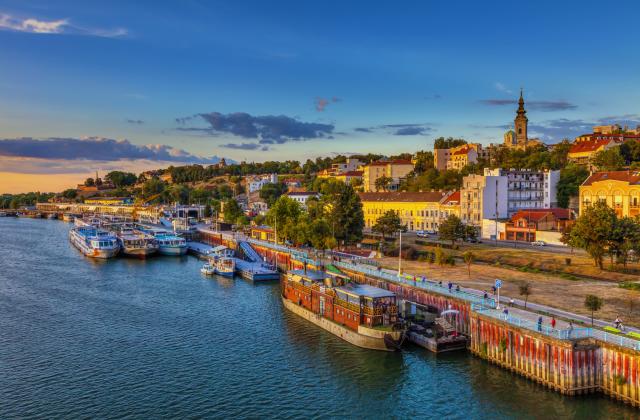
537,214
405,197
589,146
632,177
452,198
465,150
352,173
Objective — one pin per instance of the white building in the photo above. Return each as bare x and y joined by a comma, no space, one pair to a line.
500,193
257,182
302,196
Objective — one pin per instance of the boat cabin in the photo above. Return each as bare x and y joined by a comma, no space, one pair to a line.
335,297
221,251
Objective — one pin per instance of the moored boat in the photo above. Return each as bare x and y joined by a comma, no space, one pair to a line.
363,315
68,217
95,243
208,269
225,266
135,243
168,242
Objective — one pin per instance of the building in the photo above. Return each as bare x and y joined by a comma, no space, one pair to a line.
483,197
349,177
397,170
500,193
584,150
538,225
263,233
112,201
458,157
302,196
292,183
417,210
619,189
255,183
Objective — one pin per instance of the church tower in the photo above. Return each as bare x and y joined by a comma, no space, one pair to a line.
521,123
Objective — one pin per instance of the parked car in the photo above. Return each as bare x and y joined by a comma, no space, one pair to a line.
538,243
421,234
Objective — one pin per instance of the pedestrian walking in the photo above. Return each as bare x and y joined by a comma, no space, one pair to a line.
511,302
450,286
553,322
485,296
506,313
617,322
440,283
570,329
493,290
540,324
457,287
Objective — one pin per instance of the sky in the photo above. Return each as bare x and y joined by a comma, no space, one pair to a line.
95,85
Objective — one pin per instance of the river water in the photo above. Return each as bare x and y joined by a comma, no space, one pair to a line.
152,339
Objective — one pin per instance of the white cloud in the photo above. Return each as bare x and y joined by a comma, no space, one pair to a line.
62,26
502,88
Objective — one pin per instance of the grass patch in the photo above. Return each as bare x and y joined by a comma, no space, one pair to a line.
629,285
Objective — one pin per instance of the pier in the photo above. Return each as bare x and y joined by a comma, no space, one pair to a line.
571,361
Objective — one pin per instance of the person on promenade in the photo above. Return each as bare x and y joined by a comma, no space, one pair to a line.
570,329
506,313
457,287
450,285
617,322
440,283
485,295
540,324
493,290
553,322
511,302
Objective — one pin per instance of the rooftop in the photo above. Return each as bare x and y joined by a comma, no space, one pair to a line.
632,177
391,162
365,290
405,197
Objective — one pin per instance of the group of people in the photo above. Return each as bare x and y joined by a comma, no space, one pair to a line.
450,286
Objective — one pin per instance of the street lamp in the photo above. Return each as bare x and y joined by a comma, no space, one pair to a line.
400,255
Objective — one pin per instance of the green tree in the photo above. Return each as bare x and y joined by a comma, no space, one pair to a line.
178,193
452,229
271,192
208,211
469,257
423,161
592,231
630,151
388,224
320,235
152,188
525,290
383,183
121,179
342,209
70,194
232,211
89,182
284,216
448,143
609,160
593,303
571,177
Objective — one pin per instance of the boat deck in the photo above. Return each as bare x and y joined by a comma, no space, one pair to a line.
255,271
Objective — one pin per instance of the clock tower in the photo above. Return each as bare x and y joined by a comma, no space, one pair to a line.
521,122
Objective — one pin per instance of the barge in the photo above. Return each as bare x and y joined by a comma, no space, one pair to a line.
363,315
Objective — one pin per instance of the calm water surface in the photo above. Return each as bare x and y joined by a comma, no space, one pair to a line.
154,339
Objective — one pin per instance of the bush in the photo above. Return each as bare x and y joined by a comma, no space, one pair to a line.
567,261
630,285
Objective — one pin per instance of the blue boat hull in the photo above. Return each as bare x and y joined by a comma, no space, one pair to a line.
173,250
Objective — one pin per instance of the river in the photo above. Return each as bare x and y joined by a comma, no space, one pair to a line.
151,339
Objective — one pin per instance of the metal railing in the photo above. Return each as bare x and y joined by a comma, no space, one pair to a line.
562,334
420,283
298,254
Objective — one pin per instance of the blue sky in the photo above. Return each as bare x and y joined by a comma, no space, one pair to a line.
276,80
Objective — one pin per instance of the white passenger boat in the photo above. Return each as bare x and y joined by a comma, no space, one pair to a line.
168,242
95,243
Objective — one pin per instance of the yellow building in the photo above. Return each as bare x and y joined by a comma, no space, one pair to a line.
417,210
619,189
394,169
583,150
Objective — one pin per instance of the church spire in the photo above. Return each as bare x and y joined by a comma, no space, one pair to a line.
521,109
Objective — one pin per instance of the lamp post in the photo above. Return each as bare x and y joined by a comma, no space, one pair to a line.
400,255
